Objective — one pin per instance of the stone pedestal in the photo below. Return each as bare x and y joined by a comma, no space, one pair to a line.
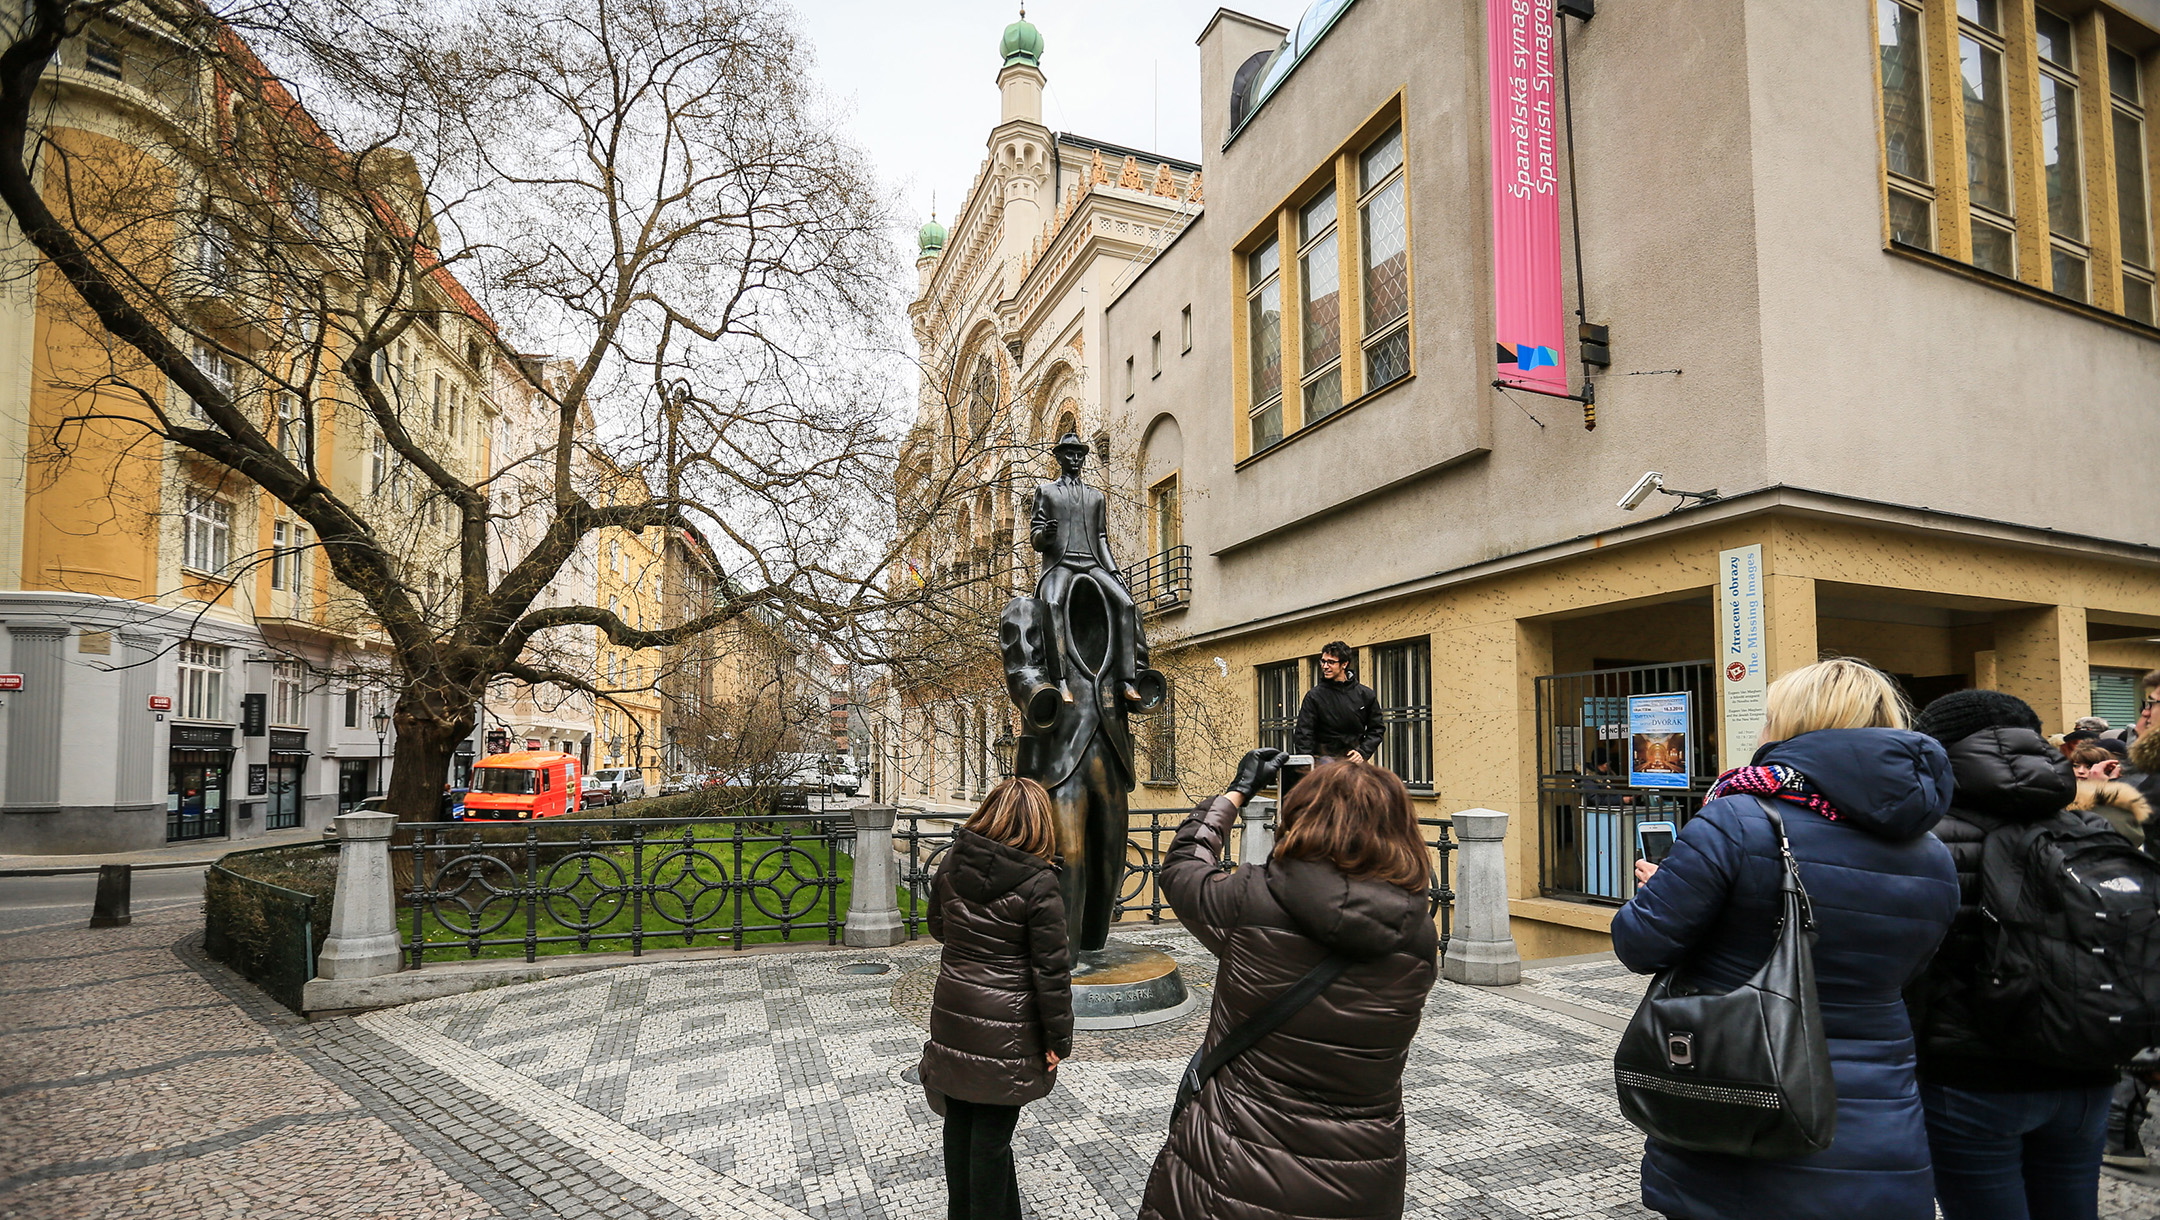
363,940
873,918
1481,951
1123,986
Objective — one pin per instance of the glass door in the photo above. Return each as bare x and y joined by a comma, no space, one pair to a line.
195,795
284,810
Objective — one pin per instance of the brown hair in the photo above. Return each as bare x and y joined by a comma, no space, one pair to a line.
1358,818
1017,812
2086,754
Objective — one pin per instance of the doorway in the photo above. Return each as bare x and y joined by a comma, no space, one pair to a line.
195,795
284,810
352,784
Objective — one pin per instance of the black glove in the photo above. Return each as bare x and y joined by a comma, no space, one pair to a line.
1256,771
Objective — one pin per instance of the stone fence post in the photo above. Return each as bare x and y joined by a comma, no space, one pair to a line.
1258,842
363,940
873,917
1481,950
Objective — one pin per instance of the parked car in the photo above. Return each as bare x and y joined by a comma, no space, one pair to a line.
596,795
523,785
688,781
842,775
625,783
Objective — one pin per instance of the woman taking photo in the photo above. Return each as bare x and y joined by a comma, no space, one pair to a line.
1001,1017
1858,793
1308,1121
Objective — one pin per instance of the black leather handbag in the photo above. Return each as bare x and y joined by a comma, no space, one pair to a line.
1745,1072
1201,1066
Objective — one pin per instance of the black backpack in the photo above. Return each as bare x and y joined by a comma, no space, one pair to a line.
2070,966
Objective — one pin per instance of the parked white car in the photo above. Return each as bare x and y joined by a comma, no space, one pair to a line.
620,784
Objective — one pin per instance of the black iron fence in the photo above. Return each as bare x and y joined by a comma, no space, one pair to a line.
577,885
921,840
267,932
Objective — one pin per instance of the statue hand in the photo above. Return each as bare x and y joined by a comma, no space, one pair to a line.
1256,771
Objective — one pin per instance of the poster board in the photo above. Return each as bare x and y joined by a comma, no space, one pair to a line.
1658,741
1742,678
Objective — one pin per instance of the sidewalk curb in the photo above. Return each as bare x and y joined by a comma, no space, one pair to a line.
76,869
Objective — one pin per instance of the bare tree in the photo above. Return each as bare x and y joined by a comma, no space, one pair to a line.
343,200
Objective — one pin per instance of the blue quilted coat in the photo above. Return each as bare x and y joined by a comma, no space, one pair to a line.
1884,894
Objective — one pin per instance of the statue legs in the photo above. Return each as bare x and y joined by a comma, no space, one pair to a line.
1089,808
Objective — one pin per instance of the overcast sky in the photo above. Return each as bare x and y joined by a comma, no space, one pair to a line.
918,81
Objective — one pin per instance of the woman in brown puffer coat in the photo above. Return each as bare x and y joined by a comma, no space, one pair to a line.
1001,1017
1308,1122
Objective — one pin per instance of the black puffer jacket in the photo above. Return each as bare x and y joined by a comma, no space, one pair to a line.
1309,1122
1336,718
2005,776
1004,988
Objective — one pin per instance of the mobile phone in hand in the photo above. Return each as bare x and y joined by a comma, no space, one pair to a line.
1655,840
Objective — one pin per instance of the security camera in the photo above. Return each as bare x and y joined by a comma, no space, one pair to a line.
1651,482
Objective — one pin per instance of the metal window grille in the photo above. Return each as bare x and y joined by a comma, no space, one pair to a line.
1587,819
1402,678
1278,685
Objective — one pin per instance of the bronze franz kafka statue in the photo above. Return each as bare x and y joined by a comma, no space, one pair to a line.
1076,665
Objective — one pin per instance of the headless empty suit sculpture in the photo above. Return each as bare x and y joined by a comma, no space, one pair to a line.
1076,666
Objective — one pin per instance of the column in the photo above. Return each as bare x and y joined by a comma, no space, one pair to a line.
873,918
1481,951
2040,656
1789,612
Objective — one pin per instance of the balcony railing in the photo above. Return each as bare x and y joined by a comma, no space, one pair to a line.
1163,580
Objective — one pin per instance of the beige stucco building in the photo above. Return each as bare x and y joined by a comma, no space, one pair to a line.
1841,292
1008,321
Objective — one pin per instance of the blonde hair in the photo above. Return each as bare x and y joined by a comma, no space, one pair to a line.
1841,693
1017,812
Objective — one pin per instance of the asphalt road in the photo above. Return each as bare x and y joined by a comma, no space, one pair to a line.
38,902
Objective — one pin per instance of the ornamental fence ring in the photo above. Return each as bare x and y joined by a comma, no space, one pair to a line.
614,893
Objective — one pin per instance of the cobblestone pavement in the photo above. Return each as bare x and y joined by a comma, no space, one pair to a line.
141,1079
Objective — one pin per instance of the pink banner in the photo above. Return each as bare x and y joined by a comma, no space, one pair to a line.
1526,198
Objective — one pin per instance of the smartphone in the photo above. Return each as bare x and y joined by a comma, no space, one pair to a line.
1655,839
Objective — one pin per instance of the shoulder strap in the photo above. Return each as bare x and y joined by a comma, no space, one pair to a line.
1791,865
1264,1022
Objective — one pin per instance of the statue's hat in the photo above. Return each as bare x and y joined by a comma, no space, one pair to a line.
1070,440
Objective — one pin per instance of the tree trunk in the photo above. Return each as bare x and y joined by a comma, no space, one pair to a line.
425,742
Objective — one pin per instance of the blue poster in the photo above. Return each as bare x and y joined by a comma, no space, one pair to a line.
1658,741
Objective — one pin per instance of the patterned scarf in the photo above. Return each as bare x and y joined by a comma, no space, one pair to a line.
1774,780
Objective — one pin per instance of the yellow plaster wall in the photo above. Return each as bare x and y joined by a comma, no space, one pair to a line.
1491,639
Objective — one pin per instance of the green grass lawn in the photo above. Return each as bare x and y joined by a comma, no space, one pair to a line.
703,887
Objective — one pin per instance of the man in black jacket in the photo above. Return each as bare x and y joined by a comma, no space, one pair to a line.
2001,1125
1340,717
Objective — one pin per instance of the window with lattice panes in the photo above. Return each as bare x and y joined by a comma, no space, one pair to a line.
1985,97
1907,155
288,692
205,532
1320,305
202,681
1278,703
2133,194
2061,154
1263,306
1384,220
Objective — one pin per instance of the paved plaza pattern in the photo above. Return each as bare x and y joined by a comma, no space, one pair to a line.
141,1079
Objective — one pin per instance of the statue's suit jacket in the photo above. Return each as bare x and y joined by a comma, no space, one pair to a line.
1083,518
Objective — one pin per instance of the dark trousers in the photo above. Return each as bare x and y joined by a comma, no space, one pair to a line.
980,1181
1089,809
2016,1156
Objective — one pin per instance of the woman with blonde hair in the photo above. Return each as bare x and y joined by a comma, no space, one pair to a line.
1001,1016
1307,1120
1857,792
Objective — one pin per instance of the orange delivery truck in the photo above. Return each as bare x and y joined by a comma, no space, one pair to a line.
527,784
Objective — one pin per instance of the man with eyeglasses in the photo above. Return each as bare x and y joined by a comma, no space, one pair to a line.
1340,717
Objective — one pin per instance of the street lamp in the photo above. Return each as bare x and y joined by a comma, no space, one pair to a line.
382,730
1004,746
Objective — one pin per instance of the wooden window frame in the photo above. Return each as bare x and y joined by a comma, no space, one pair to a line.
1281,226
2034,242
